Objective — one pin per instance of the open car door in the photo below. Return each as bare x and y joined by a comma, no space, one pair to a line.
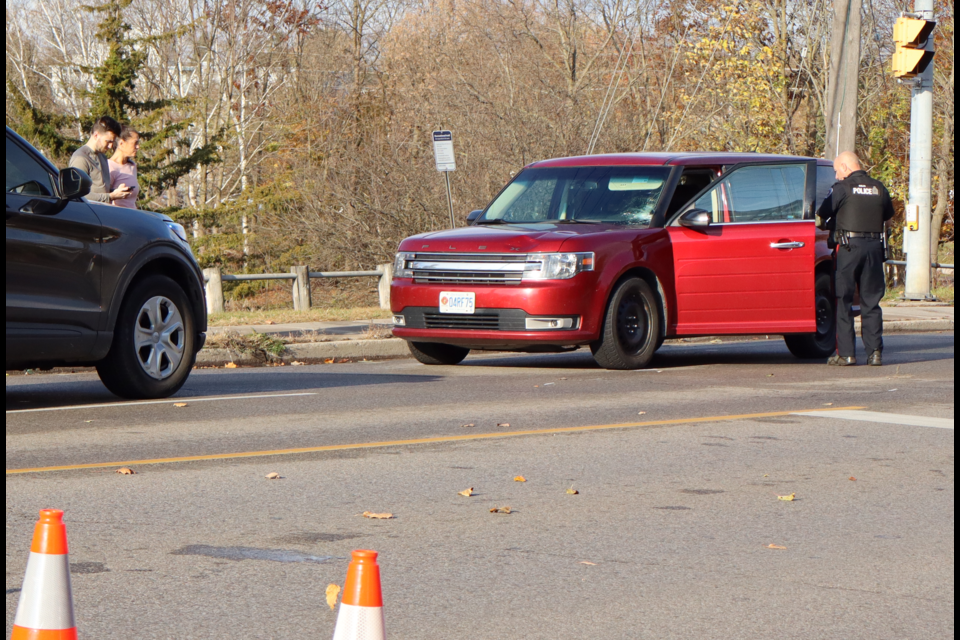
743,253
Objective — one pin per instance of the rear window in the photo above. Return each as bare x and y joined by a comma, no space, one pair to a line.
616,195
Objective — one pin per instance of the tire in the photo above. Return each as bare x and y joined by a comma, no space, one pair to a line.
436,353
150,364
631,327
823,343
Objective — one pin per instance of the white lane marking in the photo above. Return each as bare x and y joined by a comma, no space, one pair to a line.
887,418
167,401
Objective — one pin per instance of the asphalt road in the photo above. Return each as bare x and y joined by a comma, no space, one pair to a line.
667,538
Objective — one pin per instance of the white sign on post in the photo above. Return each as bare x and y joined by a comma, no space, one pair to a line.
443,151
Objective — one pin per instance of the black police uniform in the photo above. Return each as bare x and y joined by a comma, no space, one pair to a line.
855,211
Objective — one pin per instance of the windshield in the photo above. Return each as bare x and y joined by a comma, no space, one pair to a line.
616,195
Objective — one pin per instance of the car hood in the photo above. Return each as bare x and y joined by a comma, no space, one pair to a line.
112,209
508,238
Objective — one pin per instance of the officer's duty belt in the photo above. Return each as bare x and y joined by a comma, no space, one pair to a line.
863,234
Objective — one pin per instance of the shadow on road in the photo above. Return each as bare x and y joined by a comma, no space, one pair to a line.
46,391
898,349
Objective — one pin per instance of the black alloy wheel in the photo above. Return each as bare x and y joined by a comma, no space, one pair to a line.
631,327
436,353
824,342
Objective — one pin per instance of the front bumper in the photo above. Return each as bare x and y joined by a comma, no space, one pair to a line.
501,311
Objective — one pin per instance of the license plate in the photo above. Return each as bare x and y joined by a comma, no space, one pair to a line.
458,302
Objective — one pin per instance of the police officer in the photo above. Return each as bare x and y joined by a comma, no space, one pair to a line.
856,211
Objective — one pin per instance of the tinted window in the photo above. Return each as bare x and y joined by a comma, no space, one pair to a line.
618,195
826,177
757,194
24,174
690,184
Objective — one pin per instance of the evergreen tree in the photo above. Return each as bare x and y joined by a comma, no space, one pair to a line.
159,165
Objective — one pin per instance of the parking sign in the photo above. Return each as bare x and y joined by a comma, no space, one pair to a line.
443,151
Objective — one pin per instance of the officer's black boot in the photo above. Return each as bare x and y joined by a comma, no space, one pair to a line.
841,361
875,359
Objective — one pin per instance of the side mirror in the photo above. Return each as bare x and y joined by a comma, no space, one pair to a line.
695,219
473,215
74,184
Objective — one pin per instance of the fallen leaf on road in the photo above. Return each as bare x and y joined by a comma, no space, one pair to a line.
466,492
468,425
547,384
769,375
377,516
789,498
269,322
775,546
519,479
88,420
563,378
297,363
828,404
230,365
273,475
536,386
500,510
126,471
333,591
640,413
503,424
592,564
573,492
179,404
766,475
852,478
328,361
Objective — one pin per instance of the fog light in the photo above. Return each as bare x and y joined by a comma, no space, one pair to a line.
399,321
539,324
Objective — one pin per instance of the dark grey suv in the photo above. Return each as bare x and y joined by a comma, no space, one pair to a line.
95,284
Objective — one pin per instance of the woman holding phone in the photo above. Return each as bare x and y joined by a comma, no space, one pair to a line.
123,170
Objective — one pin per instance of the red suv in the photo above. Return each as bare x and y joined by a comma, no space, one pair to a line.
620,252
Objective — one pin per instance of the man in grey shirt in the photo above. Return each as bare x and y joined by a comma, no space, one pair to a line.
91,158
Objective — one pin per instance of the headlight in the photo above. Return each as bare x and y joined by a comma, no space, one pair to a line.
557,266
178,230
400,265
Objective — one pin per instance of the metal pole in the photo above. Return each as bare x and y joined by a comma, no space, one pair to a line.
446,177
917,243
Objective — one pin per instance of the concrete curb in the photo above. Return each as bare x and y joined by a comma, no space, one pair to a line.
310,352
313,352
912,326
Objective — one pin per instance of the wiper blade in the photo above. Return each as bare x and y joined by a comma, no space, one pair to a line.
490,221
575,221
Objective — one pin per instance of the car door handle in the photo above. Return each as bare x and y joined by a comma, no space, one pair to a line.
786,245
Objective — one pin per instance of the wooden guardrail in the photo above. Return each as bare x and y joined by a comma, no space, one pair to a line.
214,278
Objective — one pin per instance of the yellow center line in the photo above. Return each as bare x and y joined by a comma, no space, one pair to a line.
394,443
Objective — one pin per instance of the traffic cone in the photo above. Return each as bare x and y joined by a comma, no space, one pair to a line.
45,610
361,609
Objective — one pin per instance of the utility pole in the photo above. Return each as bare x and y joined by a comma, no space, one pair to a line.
844,78
913,65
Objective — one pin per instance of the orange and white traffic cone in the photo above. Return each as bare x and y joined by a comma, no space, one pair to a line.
361,609
45,610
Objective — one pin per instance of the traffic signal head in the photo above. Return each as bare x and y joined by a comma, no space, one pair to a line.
910,58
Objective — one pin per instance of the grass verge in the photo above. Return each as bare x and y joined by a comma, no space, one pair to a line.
284,316
941,293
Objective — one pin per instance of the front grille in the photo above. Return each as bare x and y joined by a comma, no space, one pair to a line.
473,277
470,268
482,320
461,321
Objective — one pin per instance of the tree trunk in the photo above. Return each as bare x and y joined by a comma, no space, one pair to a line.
841,108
